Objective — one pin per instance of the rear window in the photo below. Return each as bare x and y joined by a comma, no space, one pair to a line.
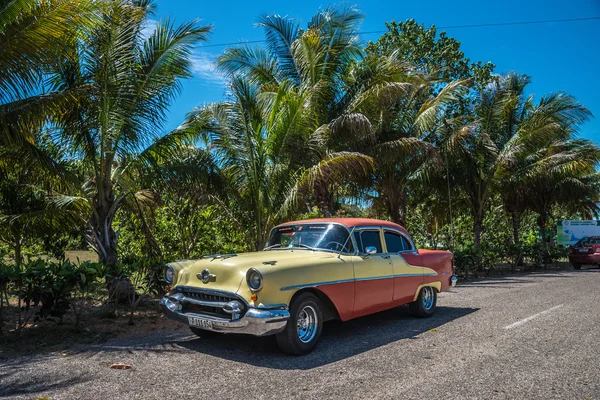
396,243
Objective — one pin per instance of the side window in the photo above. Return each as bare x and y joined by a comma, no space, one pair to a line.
406,244
394,242
365,239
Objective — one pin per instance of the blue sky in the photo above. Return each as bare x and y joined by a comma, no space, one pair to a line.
558,56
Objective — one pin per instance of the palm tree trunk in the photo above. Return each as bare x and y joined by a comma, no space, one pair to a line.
516,222
542,221
402,209
18,244
152,248
324,198
396,205
103,234
477,229
542,224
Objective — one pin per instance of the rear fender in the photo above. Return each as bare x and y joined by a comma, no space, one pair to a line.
436,285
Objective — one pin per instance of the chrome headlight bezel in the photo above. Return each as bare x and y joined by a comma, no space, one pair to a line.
169,274
251,276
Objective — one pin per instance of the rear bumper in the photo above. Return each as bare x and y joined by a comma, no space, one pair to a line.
593,258
256,321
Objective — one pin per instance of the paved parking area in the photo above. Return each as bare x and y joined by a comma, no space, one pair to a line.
527,337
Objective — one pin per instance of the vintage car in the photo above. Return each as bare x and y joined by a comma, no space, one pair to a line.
309,272
585,251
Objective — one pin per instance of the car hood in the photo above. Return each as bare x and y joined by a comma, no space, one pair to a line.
229,273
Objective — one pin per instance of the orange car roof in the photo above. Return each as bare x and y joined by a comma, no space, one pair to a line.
349,222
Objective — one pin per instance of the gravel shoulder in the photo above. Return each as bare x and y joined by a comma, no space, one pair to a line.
527,336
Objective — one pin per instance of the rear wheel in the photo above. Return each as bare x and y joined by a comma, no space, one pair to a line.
425,304
576,265
203,333
304,327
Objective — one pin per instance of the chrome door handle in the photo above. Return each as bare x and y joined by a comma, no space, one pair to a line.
386,256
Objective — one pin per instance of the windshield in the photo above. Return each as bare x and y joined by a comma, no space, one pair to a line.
312,236
588,240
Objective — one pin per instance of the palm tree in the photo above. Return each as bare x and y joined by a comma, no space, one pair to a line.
33,37
390,113
116,131
562,174
483,148
548,127
270,155
312,60
357,105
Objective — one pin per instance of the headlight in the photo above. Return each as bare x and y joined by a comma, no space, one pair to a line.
169,274
254,279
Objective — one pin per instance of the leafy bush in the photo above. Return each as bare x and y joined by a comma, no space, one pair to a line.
48,289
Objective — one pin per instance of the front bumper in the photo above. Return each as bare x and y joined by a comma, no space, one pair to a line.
256,321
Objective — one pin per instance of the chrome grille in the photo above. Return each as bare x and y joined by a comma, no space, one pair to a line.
208,297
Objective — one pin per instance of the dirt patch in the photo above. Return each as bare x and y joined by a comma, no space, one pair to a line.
100,325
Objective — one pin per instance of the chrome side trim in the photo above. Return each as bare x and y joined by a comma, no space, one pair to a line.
373,278
305,285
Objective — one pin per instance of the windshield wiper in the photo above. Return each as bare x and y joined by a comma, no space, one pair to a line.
219,256
272,246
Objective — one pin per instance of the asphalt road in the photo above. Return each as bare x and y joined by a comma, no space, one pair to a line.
526,337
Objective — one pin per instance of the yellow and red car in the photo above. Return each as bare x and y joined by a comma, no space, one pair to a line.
310,271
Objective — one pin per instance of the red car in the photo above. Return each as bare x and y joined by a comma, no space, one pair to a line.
586,251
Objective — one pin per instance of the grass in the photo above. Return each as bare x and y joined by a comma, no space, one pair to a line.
81,255
71,255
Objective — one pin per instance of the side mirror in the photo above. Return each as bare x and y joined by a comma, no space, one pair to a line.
371,250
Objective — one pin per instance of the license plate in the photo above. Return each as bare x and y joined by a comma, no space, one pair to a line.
200,323
583,250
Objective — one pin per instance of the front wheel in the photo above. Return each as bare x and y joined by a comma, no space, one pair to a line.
425,304
576,265
304,327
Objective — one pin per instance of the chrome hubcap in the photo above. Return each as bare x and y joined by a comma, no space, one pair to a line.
428,297
307,324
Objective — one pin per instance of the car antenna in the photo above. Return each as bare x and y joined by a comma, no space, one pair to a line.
344,246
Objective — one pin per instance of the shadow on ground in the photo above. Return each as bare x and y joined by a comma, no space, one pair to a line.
11,386
338,341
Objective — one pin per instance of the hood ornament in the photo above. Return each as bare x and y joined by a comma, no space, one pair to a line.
205,276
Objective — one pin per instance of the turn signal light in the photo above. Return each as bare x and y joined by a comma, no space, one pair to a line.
253,297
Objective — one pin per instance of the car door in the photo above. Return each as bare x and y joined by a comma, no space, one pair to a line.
373,273
406,263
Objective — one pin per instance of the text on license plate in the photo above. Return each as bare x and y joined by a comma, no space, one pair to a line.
200,323
583,250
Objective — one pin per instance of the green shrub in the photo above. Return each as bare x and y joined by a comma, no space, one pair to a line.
49,289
